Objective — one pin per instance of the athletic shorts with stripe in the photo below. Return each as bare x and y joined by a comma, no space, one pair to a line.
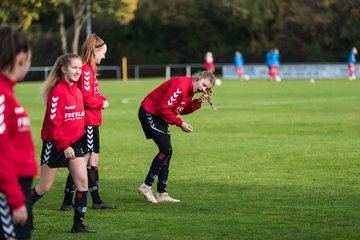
54,158
152,125
7,229
91,139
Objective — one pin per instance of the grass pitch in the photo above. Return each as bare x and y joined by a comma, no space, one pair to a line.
276,161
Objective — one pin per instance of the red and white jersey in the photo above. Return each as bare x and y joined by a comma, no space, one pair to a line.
64,117
17,152
171,98
93,101
209,64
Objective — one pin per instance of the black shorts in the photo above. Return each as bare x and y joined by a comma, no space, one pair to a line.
54,158
7,228
152,125
91,139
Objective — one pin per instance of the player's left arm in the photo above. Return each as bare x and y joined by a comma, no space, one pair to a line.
171,99
192,106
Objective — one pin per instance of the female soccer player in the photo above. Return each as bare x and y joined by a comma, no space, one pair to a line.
61,133
18,165
94,50
209,62
351,63
239,64
159,109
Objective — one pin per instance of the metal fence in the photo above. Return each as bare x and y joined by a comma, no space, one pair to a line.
225,70
41,73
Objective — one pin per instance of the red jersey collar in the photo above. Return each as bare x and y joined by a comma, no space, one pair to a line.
10,83
68,85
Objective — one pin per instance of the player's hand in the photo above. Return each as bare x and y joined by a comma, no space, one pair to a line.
69,153
186,127
206,96
20,215
106,104
202,98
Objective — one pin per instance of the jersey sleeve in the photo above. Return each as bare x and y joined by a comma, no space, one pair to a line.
191,107
9,184
56,114
170,99
86,86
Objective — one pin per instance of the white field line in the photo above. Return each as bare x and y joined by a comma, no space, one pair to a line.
131,100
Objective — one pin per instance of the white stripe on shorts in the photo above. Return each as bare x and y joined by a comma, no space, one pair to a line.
90,137
5,218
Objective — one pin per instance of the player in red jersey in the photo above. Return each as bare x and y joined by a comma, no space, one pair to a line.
159,109
61,133
209,62
18,165
94,50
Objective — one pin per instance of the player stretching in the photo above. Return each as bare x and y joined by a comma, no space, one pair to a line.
159,109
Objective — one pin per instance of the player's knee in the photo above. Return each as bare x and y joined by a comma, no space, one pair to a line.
93,159
43,188
167,152
82,183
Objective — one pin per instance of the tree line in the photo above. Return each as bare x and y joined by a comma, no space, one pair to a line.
182,31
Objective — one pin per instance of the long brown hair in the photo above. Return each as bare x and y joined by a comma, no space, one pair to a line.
56,75
90,46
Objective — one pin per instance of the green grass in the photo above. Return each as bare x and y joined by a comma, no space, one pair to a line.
276,161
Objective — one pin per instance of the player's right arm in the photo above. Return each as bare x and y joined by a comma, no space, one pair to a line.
86,85
55,115
9,184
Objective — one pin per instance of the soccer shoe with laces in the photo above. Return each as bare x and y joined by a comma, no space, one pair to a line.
103,206
66,208
164,197
81,229
147,192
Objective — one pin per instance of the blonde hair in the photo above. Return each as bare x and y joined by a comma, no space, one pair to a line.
56,74
204,75
90,46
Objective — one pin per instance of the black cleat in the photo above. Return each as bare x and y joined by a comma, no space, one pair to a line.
103,206
66,208
81,229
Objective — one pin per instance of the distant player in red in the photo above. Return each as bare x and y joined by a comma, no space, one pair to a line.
61,133
18,165
159,109
94,50
209,62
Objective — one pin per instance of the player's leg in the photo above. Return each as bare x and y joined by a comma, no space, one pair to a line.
351,72
69,191
47,178
77,168
154,128
240,72
70,188
24,231
164,146
160,161
93,146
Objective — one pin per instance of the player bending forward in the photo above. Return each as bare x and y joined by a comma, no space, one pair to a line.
159,109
